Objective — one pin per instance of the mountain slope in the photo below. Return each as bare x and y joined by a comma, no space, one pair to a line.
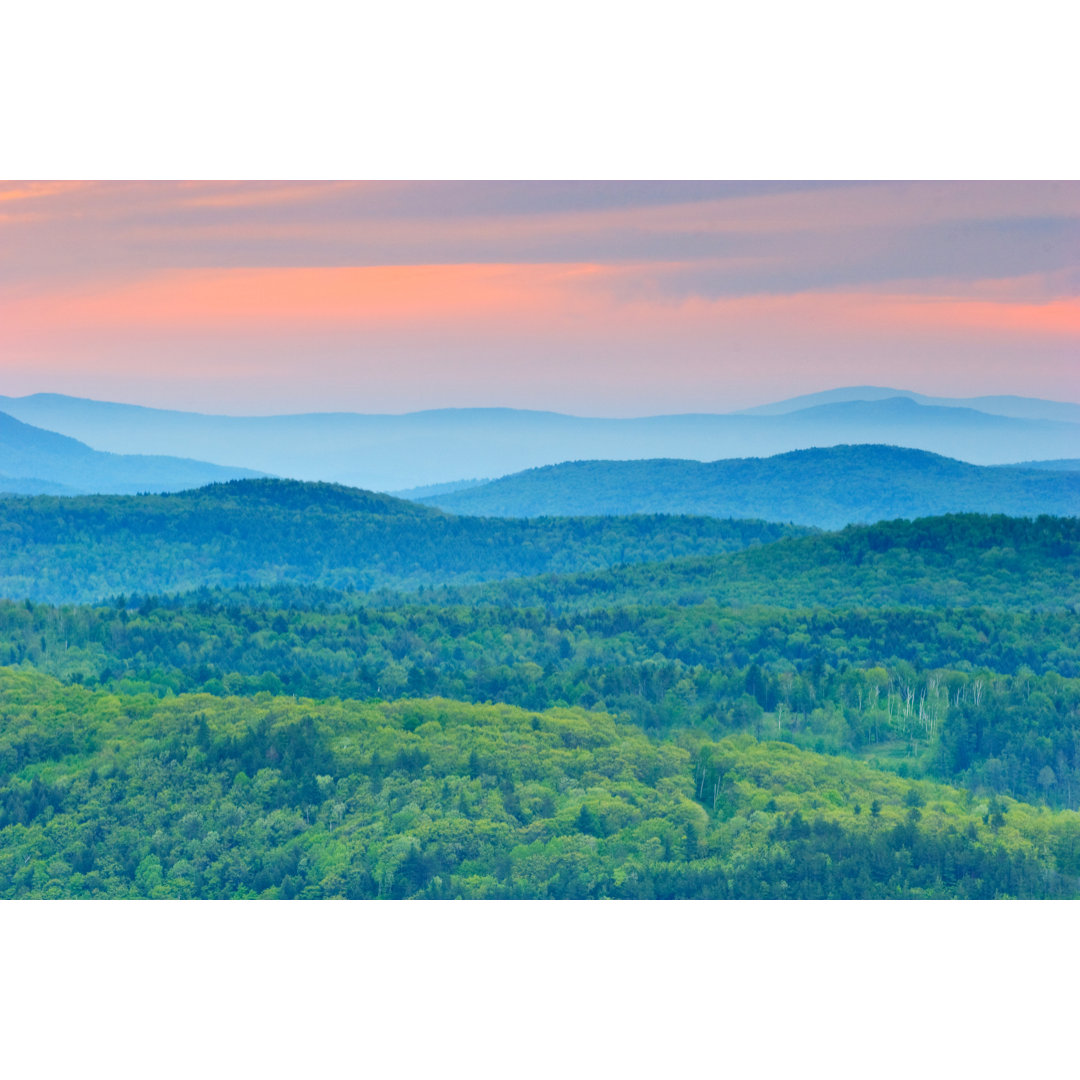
395,453
828,488
35,461
261,532
431,491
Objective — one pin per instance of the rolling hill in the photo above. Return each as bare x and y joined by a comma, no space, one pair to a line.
34,461
827,488
395,453
262,532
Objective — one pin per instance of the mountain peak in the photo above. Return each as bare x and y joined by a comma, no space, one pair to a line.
311,496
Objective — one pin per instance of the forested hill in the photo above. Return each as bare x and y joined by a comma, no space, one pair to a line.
958,560
825,487
255,532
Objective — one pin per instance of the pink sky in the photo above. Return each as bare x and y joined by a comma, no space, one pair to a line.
601,299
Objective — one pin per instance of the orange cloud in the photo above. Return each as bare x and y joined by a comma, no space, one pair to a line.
900,315
263,301
1055,318
11,191
578,299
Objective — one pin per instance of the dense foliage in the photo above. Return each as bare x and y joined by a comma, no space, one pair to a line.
261,532
979,697
130,795
851,714
959,560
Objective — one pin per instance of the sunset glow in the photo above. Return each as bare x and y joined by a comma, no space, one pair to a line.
390,297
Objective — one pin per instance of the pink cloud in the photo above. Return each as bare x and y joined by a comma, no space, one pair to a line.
702,303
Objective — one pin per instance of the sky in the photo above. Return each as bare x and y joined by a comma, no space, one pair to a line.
592,298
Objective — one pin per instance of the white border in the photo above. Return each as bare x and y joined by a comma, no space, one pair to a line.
538,990
780,89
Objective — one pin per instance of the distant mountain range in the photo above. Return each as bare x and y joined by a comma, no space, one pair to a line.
393,453
828,488
31,485
1062,465
999,404
38,462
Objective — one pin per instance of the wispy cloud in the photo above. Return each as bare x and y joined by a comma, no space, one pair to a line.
543,291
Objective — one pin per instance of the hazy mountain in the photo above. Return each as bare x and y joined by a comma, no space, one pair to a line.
828,488
394,453
1061,465
427,490
32,485
39,462
999,405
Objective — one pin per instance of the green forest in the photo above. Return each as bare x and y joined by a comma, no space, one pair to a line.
265,532
304,691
